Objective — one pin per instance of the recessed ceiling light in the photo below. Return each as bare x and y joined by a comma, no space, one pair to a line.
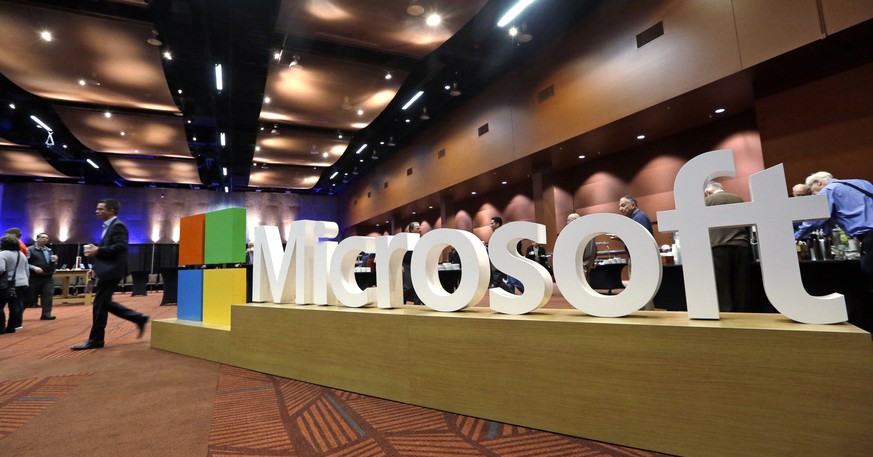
189,121
82,82
513,31
503,182
414,8
267,99
388,75
257,148
433,20
107,115
408,121
581,157
194,138
430,207
447,87
65,146
122,133
135,150
168,55
325,155
360,112
154,40
45,35
719,111
641,137
277,55
12,105
473,193
179,91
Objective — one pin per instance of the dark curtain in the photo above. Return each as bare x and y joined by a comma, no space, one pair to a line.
140,257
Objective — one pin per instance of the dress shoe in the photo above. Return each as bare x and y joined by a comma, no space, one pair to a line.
47,318
88,345
140,325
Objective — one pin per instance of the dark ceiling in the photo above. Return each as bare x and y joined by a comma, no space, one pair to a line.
304,85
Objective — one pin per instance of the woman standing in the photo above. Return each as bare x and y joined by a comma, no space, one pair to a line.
14,263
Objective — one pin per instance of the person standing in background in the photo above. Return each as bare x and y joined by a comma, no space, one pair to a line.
14,264
408,290
800,190
627,205
110,266
43,263
851,205
731,254
16,232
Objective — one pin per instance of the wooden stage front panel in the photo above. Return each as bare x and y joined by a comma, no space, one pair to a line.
748,384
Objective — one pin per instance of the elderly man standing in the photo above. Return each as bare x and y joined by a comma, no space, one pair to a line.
628,206
851,205
42,266
731,254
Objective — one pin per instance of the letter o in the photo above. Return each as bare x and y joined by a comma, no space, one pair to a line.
474,274
576,289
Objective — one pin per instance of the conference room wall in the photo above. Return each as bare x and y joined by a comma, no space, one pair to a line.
66,211
826,125
598,76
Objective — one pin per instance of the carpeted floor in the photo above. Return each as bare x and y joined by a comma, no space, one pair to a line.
130,400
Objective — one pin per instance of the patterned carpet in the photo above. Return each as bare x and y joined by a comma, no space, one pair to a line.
44,383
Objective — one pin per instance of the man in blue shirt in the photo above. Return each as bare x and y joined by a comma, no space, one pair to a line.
851,205
628,206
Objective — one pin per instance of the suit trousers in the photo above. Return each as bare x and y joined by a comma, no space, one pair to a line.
732,265
42,288
103,305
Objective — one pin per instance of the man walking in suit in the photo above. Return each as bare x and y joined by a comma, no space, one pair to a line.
110,266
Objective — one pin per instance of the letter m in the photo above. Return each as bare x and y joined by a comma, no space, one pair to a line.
284,276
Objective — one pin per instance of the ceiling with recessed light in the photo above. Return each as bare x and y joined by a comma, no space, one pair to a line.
235,95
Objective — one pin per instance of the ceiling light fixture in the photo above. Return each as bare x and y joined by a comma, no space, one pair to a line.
91,162
314,150
433,20
224,171
82,82
122,133
415,8
361,149
524,36
355,171
455,92
41,123
226,189
339,134
257,148
408,121
45,35
168,55
219,79
222,139
107,114
375,155
424,115
503,182
267,99
513,31
154,40
641,137
719,111
325,155
513,12
391,141
360,112
12,105
334,175
295,62
388,75
581,157
413,99
278,55
179,91
275,130
346,104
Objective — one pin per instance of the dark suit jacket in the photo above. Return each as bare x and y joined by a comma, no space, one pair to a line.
111,260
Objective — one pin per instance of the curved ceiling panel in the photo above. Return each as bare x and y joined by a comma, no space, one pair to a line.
328,93
133,134
26,163
388,26
156,170
278,176
293,146
88,60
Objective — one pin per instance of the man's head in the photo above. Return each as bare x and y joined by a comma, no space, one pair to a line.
627,205
107,209
42,239
799,190
712,187
572,217
14,231
8,242
413,227
496,222
817,181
